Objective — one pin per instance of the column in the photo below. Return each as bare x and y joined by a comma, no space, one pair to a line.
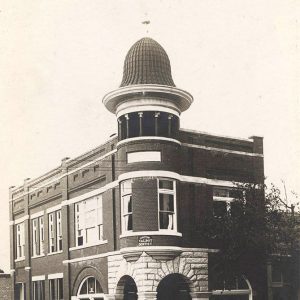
156,115
127,125
65,228
140,123
170,125
27,240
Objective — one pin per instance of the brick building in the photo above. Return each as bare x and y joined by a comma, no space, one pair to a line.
5,286
120,221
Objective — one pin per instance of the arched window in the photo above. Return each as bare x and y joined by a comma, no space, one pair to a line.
90,289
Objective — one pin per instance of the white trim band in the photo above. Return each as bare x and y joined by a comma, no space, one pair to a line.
21,220
54,208
36,215
55,275
147,138
38,278
159,232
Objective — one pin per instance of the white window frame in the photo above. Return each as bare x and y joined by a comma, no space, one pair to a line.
20,241
168,192
55,281
92,295
125,215
58,231
55,231
38,236
98,224
37,283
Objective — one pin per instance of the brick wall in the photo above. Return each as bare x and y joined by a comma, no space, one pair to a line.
5,287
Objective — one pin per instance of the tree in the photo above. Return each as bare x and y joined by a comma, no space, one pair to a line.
257,224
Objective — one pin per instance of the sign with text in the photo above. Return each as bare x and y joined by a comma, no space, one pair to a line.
145,240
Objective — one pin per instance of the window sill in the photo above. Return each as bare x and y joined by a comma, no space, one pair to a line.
160,232
37,256
88,245
53,253
20,259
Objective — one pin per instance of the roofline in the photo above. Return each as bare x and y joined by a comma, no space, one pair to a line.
250,139
55,171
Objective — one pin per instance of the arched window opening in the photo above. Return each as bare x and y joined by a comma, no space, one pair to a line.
90,289
127,288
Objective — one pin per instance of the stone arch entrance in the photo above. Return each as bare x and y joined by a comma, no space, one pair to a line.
126,289
174,287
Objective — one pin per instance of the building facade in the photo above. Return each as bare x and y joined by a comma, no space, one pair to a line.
122,220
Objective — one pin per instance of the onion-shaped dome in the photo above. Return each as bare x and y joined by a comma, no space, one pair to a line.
147,63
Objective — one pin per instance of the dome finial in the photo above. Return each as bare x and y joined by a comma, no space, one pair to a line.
147,63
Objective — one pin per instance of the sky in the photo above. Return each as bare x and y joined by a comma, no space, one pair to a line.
239,59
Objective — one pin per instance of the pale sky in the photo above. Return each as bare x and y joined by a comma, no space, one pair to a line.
239,59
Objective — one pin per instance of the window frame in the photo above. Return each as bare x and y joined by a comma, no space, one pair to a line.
38,236
20,241
225,199
124,215
53,233
97,226
57,288
172,192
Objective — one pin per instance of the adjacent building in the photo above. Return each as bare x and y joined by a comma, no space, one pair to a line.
122,220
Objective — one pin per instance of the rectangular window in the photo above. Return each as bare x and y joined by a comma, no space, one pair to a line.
56,289
20,240
89,221
38,236
167,204
20,291
38,290
223,200
55,231
126,198
141,156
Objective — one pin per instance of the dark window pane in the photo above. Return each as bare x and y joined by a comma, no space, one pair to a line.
148,123
163,124
166,220
166,202
129,222
166,184
60,289
133,125
91,285
219,208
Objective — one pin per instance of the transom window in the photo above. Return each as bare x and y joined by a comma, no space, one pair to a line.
126,198
89,221
91,289
167,204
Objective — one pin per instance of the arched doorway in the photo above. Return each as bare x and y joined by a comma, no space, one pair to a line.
126,289
173,287
90,289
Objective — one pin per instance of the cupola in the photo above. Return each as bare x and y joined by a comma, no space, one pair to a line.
147,103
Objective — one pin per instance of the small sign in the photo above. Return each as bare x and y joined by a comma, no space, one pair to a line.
145,240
